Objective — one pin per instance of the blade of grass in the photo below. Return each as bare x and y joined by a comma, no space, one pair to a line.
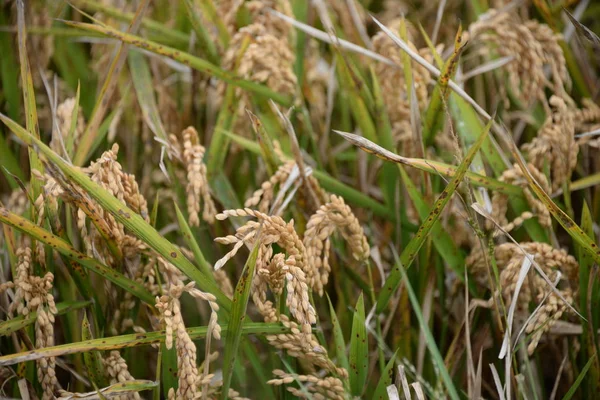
435,115
206,42
236,322
92,360
338,340
359,350
21,321
389,174
132,340
123,214
380,392
31,117
441,239
185,58
118,389
434,167
209,9
142,83
63,247
189,238
158,30
588,338
411,250
437,359
575,386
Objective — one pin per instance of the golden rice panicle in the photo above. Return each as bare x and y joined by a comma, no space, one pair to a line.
533,47
318,387
264,196
552,310
555,143
273,270
555,263
108,173
198,190
169,307
331,216
118,372
268,59
64,115
515,177
34,294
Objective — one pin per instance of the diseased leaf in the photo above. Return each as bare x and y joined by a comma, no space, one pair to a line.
359,350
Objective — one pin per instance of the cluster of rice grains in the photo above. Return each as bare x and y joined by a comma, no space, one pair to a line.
301,266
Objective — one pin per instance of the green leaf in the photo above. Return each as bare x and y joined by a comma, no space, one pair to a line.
132,340
588,337
338,339
206,42
238,315
31,117
385,380
580,377
442,240
144,87
92,359
21,321
190,240
435,115
411,250
359,350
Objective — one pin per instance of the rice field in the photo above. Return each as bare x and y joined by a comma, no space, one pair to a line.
280,199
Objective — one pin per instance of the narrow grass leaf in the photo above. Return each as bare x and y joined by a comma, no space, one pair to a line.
411,250
31,116
587,289
118,389
236,322
144,87
385,380
91,359
441,239
435,115
21,321
431,166
359,350
190,240
131,340
573,389
338,339
207,45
